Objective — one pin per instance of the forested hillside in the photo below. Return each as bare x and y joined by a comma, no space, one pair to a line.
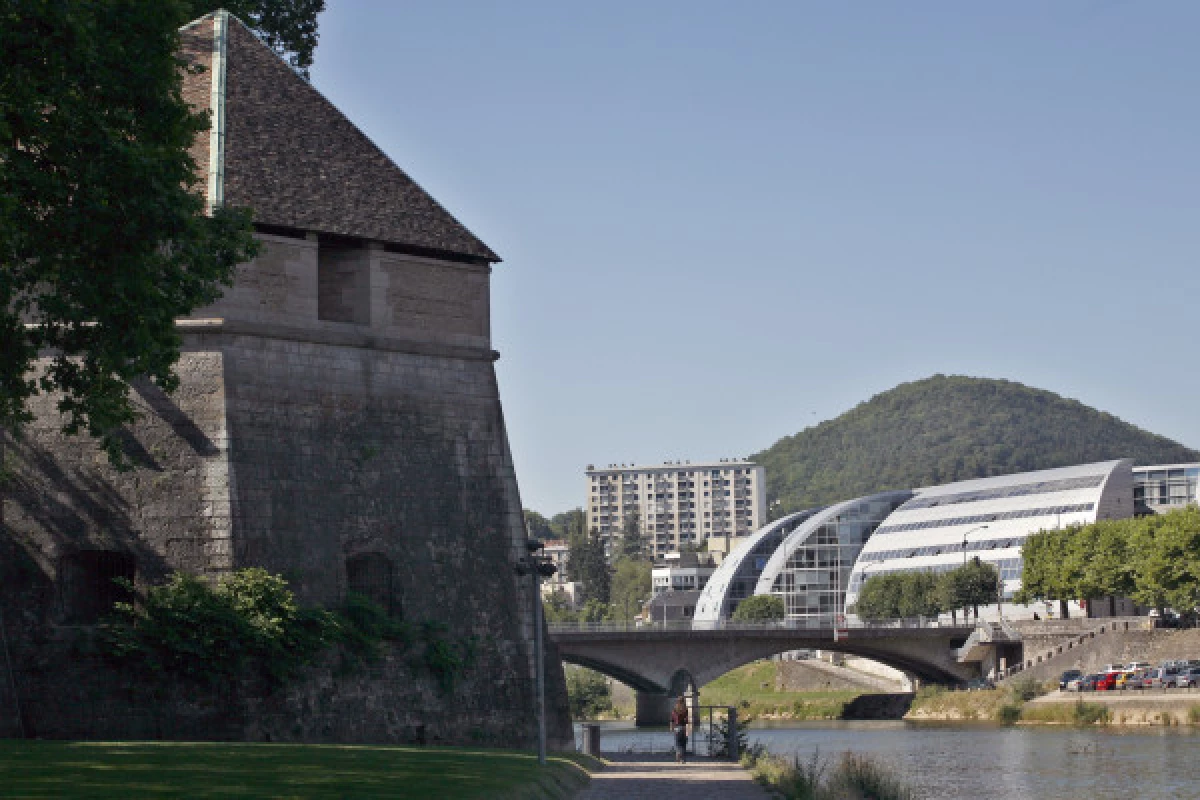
944,429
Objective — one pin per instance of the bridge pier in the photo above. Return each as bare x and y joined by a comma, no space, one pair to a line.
653,710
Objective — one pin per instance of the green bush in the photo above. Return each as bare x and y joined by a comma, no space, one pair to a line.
588,693
854,778
1009,713
1090,713
212,634
759,608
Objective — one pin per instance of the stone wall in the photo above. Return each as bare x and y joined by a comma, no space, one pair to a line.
298,445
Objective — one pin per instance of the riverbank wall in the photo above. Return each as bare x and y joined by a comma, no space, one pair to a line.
1051,652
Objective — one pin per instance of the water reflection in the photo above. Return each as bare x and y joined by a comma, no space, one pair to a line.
955,761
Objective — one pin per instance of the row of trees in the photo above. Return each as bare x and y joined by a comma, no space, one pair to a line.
928,594
1154,560
608,590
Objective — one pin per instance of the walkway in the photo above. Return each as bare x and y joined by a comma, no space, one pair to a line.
658,777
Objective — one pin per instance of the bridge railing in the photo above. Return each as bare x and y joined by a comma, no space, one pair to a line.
734,625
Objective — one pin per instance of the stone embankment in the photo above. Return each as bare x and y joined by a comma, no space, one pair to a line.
1055,647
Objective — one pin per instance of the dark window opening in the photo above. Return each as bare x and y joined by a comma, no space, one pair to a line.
370,575
87,583
343,284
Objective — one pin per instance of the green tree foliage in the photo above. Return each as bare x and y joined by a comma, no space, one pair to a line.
631,587
919,593
1154,559
975,584
588,693
759,608
289,27
211,634
557,607
900,594
569,524
944,429
103,239
538,526
587,564
633,541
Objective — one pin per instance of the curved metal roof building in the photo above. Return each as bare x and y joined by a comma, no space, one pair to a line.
810,569
942,526
738,574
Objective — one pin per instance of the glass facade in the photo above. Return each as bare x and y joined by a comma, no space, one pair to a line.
1157,488
736,578
813,580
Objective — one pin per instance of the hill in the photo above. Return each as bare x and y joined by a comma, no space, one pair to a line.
944,429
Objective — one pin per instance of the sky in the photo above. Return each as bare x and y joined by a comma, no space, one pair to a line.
723,222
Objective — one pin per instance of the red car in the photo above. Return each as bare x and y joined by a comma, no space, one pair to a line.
1107,682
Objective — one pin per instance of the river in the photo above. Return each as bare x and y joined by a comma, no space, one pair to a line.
954,761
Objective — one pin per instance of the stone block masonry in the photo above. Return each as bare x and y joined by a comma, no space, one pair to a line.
307,450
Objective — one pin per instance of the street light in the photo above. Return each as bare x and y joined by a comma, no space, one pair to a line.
538,566
965,535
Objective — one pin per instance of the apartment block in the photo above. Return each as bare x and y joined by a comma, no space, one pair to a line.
676,503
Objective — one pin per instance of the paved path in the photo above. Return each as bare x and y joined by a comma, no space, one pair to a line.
648,777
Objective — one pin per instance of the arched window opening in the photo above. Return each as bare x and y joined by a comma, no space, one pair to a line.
87,582
370,574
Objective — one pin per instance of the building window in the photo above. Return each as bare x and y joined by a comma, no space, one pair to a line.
370,574
88,586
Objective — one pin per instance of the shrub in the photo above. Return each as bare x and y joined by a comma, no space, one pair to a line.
588,693
1025,689
1089,713
759,608
859,776
1008,714
855,777
248,621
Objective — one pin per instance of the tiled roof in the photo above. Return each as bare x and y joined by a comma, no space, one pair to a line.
290,155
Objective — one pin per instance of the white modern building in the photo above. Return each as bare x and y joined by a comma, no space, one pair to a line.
943,526
676,503
817,560
806,558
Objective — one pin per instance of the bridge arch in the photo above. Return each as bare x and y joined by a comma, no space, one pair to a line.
650,660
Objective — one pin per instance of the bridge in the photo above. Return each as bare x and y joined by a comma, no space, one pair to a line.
666,660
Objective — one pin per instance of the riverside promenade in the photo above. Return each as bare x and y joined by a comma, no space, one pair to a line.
642,776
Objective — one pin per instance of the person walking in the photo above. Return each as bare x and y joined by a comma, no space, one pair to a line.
679,724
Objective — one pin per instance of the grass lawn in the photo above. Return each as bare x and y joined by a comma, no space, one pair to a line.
193,769
752,689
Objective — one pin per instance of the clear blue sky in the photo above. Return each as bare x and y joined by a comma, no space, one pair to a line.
724,222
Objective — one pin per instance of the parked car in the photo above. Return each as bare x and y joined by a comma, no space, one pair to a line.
1112,668
1188,679
1160,678
1073,684
1129,679
1088,682
1139,665
1067,677
1107,682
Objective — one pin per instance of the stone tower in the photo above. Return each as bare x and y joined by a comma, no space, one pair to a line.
338,422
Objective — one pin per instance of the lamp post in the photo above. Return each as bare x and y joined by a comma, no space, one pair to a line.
965,535
538,566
